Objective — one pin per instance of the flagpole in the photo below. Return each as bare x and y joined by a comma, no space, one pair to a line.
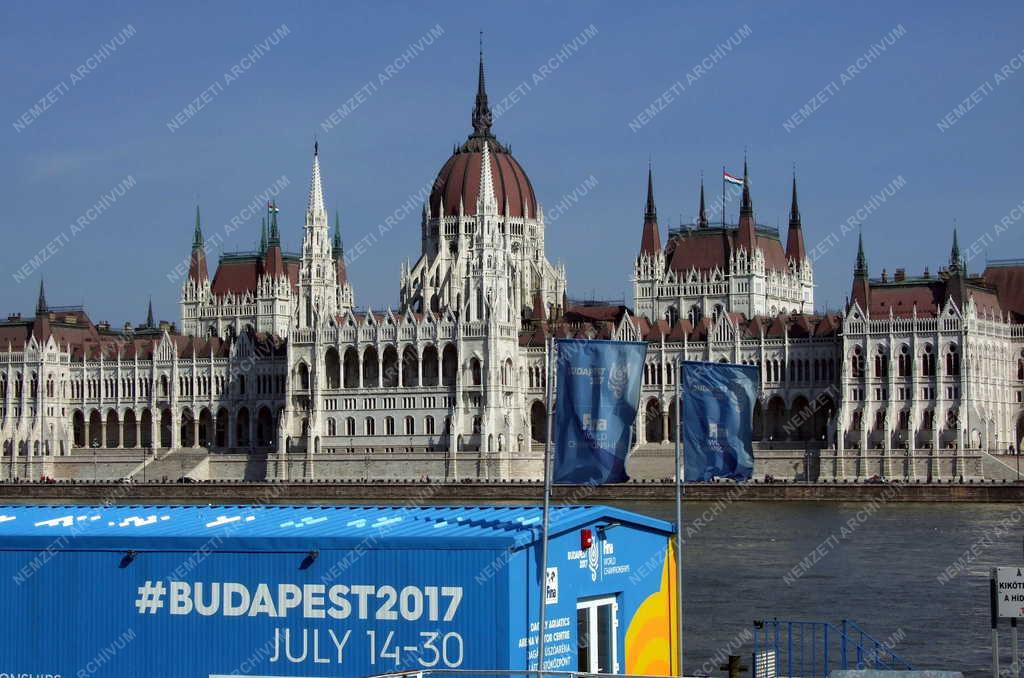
549,390
679,510
723,196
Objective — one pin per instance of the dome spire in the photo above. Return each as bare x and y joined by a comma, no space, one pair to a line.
482,110
486,202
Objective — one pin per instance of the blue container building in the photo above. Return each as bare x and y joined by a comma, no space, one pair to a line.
211,591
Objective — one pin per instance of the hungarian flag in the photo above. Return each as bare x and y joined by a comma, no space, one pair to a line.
272,207
731,179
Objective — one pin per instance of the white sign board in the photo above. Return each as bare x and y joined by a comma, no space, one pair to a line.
1010,592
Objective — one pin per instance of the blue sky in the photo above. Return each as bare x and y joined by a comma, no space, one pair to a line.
571,125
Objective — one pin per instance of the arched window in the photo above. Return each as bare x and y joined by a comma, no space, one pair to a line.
953,362
903,361
350,426
857,362
474,369
695,314
389,426
302,377
881,363
410,426
928,362
672,316
428,425
332,427
368,426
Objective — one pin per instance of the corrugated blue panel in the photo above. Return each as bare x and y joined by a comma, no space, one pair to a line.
110,591
347,613
295,527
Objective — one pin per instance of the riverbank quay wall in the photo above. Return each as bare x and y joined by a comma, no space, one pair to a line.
651,462
432,493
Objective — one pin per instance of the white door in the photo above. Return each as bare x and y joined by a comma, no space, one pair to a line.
597,623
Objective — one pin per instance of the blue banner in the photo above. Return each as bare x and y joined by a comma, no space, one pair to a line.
598,388
718,411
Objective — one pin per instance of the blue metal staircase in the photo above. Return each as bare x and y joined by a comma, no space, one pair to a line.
813,649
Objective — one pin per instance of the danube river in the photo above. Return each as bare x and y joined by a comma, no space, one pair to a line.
914,575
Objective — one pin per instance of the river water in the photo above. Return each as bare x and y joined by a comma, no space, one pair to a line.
885,566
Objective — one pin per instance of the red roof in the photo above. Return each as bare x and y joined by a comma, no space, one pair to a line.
459,178
240,274
707,248
1009,283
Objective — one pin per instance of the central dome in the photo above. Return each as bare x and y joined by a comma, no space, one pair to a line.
459,178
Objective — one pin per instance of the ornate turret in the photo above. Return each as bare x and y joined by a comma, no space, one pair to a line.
702,215
41,325
650,240
339,252
795,238
150,323
746,236
41,306
273,261
956,261
481,110
197,261
861,292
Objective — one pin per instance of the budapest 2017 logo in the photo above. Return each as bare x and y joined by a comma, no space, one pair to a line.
618,379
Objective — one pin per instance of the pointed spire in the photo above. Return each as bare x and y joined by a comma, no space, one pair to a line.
486,202
702,215
481,111
746,236
275,235
197,235
861,267
794,210
338,249
955,260
315,208
41,324
41,306
197,260
263,235
339,253
795,238
149,314
650,238
861,292
746,205
651,213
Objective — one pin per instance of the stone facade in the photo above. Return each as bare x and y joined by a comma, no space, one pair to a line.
278,374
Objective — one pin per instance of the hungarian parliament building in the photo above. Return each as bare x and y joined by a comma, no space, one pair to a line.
275,373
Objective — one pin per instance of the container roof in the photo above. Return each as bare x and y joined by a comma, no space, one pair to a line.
156,527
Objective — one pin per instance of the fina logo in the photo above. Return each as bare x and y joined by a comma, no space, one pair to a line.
618,379
593,558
